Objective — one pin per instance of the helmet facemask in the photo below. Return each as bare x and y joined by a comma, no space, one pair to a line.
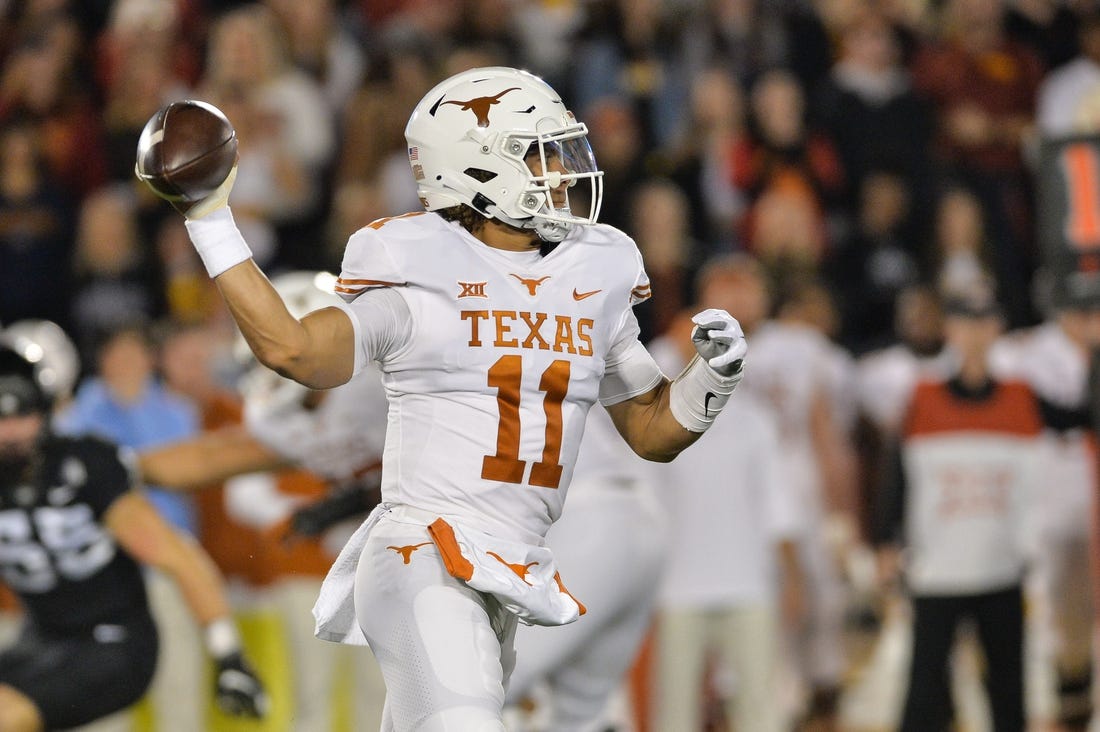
558,162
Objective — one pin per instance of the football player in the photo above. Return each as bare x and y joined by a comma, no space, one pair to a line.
336,434
58,366
796,382
735,577
72,531
1054,360
609,542
499,316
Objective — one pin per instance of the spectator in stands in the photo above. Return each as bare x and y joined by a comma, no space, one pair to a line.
489,24
373,122
189,296
750,37
700,160
1047,26
659,218
1069,97
354,205
626,51
284,123
36,226
868,108
983,86
869,268
116,279
790,175
615,132
141,63
43,80
962,250
546,32
323,47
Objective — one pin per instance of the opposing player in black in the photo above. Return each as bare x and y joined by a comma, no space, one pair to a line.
72,531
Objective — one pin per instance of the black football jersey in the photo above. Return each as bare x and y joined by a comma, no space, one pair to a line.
55,553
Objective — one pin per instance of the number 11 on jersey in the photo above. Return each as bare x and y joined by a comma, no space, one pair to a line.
505,466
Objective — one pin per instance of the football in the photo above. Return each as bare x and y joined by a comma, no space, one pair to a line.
186,151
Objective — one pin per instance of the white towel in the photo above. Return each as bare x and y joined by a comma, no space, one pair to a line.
522,576
335,607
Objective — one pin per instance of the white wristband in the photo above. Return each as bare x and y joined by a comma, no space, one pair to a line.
699,393
221,638
218,241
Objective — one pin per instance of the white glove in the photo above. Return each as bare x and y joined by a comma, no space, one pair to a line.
218,199
720,341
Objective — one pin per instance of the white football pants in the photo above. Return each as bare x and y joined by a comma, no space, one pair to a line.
445,650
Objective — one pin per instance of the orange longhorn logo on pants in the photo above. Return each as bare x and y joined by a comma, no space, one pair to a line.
406,551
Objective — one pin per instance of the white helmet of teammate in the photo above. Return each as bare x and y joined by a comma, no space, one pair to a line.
49,348
500,140
303,292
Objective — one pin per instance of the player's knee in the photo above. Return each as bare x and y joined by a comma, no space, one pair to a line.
474,719
17,712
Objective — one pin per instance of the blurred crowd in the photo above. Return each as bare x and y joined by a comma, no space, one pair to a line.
871,145
861,158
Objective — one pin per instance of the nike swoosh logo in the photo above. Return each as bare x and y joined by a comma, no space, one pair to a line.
706,403
581,295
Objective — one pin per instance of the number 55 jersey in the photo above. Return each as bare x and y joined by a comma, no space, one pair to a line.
54,551
491,360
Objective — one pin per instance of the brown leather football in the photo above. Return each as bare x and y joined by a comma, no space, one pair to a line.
186,151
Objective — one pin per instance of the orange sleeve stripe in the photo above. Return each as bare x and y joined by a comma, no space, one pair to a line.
457,565
1011,410
366,283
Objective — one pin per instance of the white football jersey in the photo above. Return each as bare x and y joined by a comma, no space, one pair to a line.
788,367
1046,359
1056,369
841,383
502,358
885,379
790,363
339,439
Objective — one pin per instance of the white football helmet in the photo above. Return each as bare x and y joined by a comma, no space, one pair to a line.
46,345
500,140
303,292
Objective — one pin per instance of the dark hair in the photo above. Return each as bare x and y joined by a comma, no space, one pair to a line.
138,327
466,217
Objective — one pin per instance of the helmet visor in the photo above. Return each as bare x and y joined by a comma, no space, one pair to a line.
565,185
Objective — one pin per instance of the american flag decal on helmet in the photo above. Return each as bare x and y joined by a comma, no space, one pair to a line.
414,153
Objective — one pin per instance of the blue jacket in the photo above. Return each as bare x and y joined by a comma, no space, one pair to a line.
158,417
